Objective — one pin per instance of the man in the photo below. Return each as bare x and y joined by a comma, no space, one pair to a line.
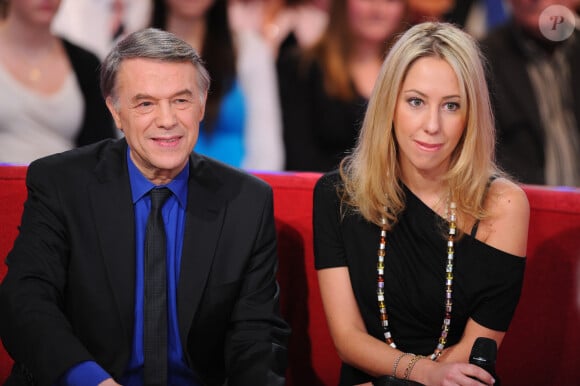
535,87
73,308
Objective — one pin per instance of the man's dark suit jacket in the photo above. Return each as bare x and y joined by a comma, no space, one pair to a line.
520,142
69,292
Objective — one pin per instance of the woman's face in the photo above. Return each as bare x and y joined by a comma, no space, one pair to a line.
189,8
429,117
375,20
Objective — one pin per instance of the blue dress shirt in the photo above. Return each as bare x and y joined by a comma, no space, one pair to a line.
179,374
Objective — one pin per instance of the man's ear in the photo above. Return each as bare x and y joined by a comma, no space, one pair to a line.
202,107
114,112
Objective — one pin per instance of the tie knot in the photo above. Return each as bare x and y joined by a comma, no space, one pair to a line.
158,197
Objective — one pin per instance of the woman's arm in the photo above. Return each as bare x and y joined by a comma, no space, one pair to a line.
351,339
359,349
473,330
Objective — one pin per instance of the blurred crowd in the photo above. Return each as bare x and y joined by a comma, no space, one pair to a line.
290,78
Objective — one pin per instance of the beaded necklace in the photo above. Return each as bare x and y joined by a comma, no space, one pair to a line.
448,283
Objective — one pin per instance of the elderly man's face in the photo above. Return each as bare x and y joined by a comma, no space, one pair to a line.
158,107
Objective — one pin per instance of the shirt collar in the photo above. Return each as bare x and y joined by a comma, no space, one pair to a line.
140,185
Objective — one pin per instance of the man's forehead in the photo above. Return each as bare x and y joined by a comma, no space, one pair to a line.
143,61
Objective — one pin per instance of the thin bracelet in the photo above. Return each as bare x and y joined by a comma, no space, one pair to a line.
411,365
396,363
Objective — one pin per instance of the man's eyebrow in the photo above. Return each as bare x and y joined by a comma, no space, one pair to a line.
141,96
184,92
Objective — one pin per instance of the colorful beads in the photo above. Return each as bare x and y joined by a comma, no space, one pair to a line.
451,212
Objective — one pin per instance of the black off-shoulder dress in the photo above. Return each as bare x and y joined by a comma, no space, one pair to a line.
486,286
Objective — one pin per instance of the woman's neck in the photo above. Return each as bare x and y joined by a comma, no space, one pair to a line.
365,65
191,30
366,50
429,187
272,10
33,56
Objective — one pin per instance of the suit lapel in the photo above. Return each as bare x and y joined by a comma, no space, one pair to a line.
204,219
115,226
112,208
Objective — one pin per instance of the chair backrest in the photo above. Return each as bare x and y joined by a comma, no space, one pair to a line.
12,196
542,345
540,348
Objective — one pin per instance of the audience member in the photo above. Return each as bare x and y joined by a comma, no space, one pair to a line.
50,99
494,13
433,10
78,295
418,236
535,86
242,125
324,90
284,24
97,24
474,16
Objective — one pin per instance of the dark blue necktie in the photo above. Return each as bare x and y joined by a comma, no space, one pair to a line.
155,307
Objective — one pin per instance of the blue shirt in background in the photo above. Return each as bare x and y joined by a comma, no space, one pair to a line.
226,142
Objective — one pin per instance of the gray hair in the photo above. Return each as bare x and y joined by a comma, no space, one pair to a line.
156,44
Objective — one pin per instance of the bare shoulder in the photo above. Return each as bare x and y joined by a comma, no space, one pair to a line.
507,198
506,226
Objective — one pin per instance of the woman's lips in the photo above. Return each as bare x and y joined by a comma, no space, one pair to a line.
428,146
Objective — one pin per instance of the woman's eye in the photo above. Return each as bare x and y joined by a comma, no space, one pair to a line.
415,102
451,106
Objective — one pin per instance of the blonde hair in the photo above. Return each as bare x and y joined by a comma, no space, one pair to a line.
371,174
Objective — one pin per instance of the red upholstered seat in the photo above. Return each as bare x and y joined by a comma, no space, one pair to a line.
541,347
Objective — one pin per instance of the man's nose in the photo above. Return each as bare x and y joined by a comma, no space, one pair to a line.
166,117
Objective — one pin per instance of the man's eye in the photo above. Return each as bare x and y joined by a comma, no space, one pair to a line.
182,103
144,107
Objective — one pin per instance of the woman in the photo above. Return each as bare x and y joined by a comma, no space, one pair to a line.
50,100
242,124
419,238
324,90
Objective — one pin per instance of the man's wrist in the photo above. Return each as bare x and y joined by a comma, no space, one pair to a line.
84,373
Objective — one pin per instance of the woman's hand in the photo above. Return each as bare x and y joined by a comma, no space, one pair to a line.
451,374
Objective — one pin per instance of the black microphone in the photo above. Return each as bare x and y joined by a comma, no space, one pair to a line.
483,354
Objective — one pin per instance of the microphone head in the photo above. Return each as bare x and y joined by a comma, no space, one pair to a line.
484,353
